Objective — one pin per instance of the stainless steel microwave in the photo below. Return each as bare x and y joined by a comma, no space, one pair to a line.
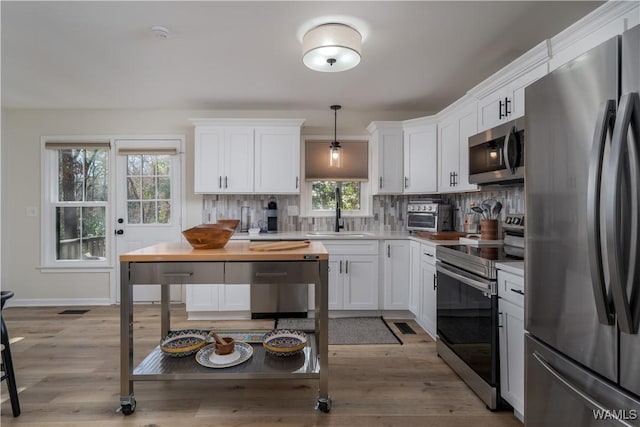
496,155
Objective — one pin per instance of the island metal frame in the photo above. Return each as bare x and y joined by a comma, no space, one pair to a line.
159,367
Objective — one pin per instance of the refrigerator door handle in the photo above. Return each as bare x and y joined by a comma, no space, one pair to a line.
574,389
604,127
622,279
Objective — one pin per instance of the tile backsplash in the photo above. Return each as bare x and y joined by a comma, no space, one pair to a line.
389,212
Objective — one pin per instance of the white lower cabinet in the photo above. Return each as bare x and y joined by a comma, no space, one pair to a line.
353,274
415,295
511,326
218,298
396,274
422,260
429,289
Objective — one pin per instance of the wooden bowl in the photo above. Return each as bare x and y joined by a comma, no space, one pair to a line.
208,236
227,348
231,223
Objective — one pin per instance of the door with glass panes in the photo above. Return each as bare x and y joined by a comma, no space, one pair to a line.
148,202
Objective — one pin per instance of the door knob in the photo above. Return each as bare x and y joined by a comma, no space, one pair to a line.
120,220
119,231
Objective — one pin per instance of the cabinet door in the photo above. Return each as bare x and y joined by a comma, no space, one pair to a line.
389,179
449,147
202,297
238,155
512,354
415,272
336,286
429,298
208,160
467,126
361,282
515,90
490,108
421,160
277,160
234,297
396,275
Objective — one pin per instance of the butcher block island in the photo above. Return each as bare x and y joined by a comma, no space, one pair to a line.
236,263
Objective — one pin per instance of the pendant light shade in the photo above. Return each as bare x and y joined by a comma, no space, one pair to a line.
335,151
331,48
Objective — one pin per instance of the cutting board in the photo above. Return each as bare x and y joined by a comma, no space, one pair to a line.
440,235
278,246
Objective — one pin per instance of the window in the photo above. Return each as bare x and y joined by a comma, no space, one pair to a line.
323,195
148,189
76,196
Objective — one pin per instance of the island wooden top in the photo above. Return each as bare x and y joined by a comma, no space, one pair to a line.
237,250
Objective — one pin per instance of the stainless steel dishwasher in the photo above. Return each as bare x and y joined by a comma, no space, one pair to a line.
279,300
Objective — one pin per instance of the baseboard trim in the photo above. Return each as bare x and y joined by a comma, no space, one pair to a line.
55,302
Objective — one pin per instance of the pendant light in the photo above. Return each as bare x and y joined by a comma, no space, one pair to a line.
335,150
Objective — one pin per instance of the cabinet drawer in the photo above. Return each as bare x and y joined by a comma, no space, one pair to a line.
175,272
511,288
351,247
272,272
428,253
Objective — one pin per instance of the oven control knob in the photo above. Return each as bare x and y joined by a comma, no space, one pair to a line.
516,221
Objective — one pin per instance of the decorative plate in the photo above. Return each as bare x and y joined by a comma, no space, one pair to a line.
208,358
183,343
285,342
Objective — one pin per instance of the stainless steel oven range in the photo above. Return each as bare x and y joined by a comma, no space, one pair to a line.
467,315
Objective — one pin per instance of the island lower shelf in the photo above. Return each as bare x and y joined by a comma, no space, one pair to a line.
158,366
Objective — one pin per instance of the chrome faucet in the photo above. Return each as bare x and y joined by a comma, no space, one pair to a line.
339,221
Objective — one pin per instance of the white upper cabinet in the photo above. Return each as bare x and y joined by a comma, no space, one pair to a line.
223,159
501,96
277,160
247,156
507,102
420,156
454,131
387,160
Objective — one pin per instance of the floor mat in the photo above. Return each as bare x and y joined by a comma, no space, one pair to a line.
348,330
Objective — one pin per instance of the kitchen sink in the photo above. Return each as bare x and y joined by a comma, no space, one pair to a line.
338,233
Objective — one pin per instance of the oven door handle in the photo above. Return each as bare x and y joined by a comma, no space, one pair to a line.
455,273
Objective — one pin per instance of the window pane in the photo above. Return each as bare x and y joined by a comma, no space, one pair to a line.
164,213
133,212
148,188
134,164
148,164
148,212
323,195
70,175
164,187
96,175
134,187
163,165
80,233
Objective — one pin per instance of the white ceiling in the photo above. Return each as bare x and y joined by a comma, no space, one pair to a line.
417,56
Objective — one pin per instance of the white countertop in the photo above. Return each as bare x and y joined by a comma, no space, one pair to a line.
513,267
342,235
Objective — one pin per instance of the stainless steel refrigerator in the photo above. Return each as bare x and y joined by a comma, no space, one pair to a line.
582,264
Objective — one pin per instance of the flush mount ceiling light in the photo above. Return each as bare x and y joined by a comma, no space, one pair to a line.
331,48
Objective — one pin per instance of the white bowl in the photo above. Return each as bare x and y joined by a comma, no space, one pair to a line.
254,231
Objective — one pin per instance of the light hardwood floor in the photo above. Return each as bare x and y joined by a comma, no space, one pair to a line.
67,369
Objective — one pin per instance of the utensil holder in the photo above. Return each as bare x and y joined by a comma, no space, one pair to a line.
488,229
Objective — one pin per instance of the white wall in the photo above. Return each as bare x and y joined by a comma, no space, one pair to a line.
21,153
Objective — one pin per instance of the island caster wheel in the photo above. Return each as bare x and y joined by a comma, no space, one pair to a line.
324,404
129,408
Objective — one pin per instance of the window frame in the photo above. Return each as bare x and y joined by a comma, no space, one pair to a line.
306,193
50,203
